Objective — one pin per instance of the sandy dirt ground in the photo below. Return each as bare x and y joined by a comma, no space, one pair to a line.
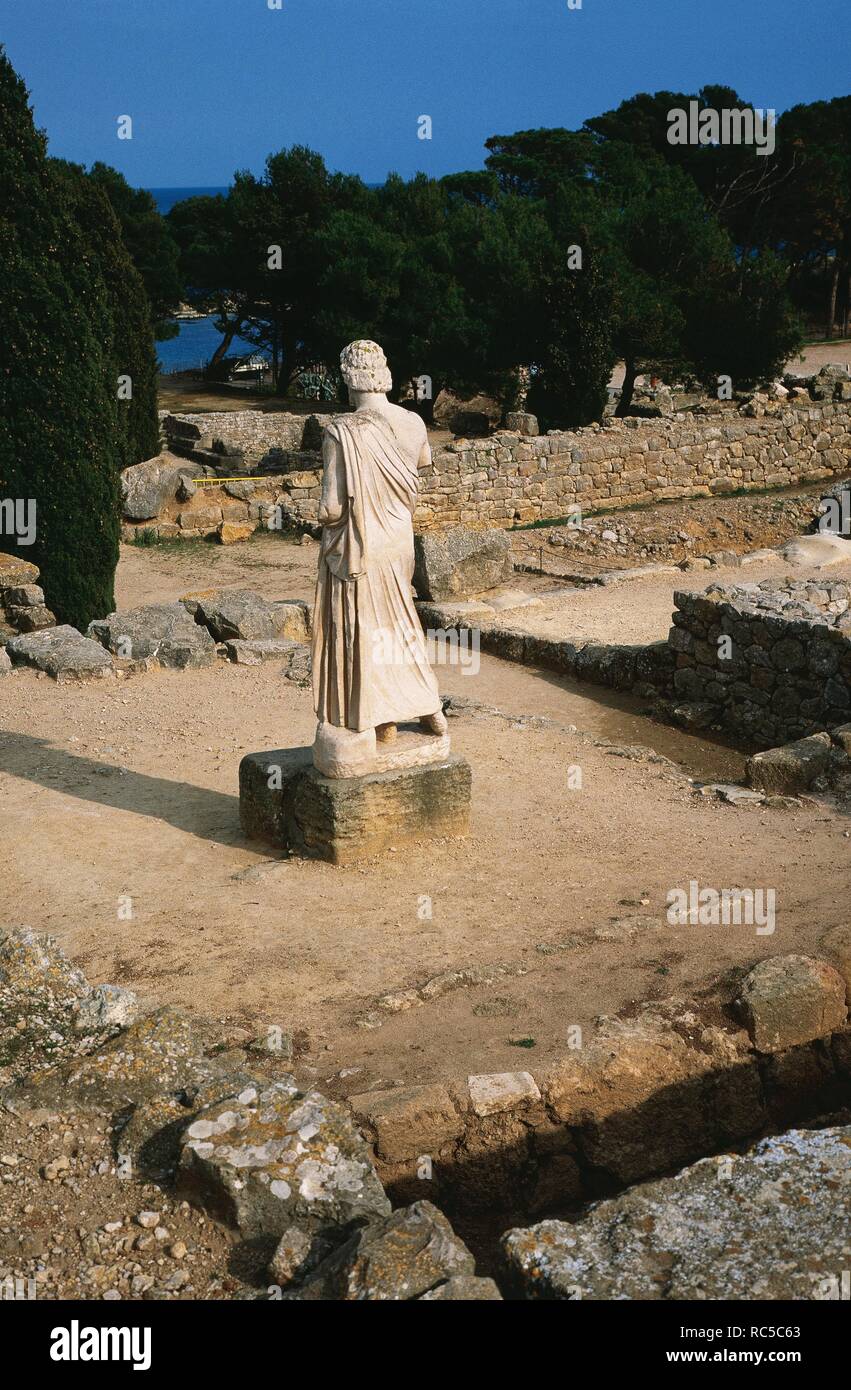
636,610
126,790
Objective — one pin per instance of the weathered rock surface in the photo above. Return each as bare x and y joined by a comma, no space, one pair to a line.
22,605
40,993
163,632
284,800
276,1157
229,532
459,562
793,999
638,1093
837,944
63,652
409,1120
792,768
769,1224
230,614
492,1093
15,571
159,1054
151,1140
411,1253
464,1288
106,1007
295,655
147,486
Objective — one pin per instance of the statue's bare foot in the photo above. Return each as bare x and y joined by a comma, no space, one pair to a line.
385,733
434,723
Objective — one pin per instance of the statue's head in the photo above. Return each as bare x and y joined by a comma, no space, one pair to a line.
364,367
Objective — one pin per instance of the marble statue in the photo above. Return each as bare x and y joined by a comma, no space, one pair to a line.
371,671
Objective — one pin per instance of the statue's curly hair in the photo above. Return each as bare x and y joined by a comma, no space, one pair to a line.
364,367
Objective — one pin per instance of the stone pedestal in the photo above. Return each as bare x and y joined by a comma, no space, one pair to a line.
286,802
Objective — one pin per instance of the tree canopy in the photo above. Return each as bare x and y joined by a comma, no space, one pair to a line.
694,259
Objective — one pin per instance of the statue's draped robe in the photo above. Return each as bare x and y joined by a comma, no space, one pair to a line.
370,664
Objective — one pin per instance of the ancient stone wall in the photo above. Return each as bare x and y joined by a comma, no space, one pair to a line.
785,672
509,478
258,437
770,663
193,509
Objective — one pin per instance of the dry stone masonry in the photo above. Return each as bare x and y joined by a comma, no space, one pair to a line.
512,477
784,671
22,606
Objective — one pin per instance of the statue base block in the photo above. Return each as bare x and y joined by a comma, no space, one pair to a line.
286,802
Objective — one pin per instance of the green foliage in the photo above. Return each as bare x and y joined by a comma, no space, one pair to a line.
746,328
130,340
60,441
688,256
151,244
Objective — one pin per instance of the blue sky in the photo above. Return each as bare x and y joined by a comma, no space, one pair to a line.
215,85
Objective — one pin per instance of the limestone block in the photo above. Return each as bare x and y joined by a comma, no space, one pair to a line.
791,768
284,800
409,1121
229,532
792,999
491,1093
458,562
63,652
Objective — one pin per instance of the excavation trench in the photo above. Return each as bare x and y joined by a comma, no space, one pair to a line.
522,1167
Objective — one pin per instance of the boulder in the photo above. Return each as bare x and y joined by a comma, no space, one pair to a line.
787,1000
243,614
48,1011
6,667
842,736
410,1253
825,385
30,618
25,596
458,562
200,520
40,992
63,652
241,488
770,1224
164,632
229,532
276,1157
161,1053
105,1008
408,1120
150,1142
522,422
792,768
15,572
147,487
262,649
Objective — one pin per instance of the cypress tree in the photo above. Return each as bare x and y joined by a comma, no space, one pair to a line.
131,336
61,444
